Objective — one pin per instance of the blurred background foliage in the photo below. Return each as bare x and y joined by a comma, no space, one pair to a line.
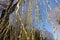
29,19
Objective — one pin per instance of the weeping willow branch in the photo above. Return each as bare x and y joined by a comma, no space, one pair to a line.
5,15
7,32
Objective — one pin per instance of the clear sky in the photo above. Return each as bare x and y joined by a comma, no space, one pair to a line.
42,23
46,25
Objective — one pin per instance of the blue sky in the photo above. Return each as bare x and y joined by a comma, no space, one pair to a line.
43,14
42,8
41,24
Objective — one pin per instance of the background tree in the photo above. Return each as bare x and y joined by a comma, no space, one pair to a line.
8,32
